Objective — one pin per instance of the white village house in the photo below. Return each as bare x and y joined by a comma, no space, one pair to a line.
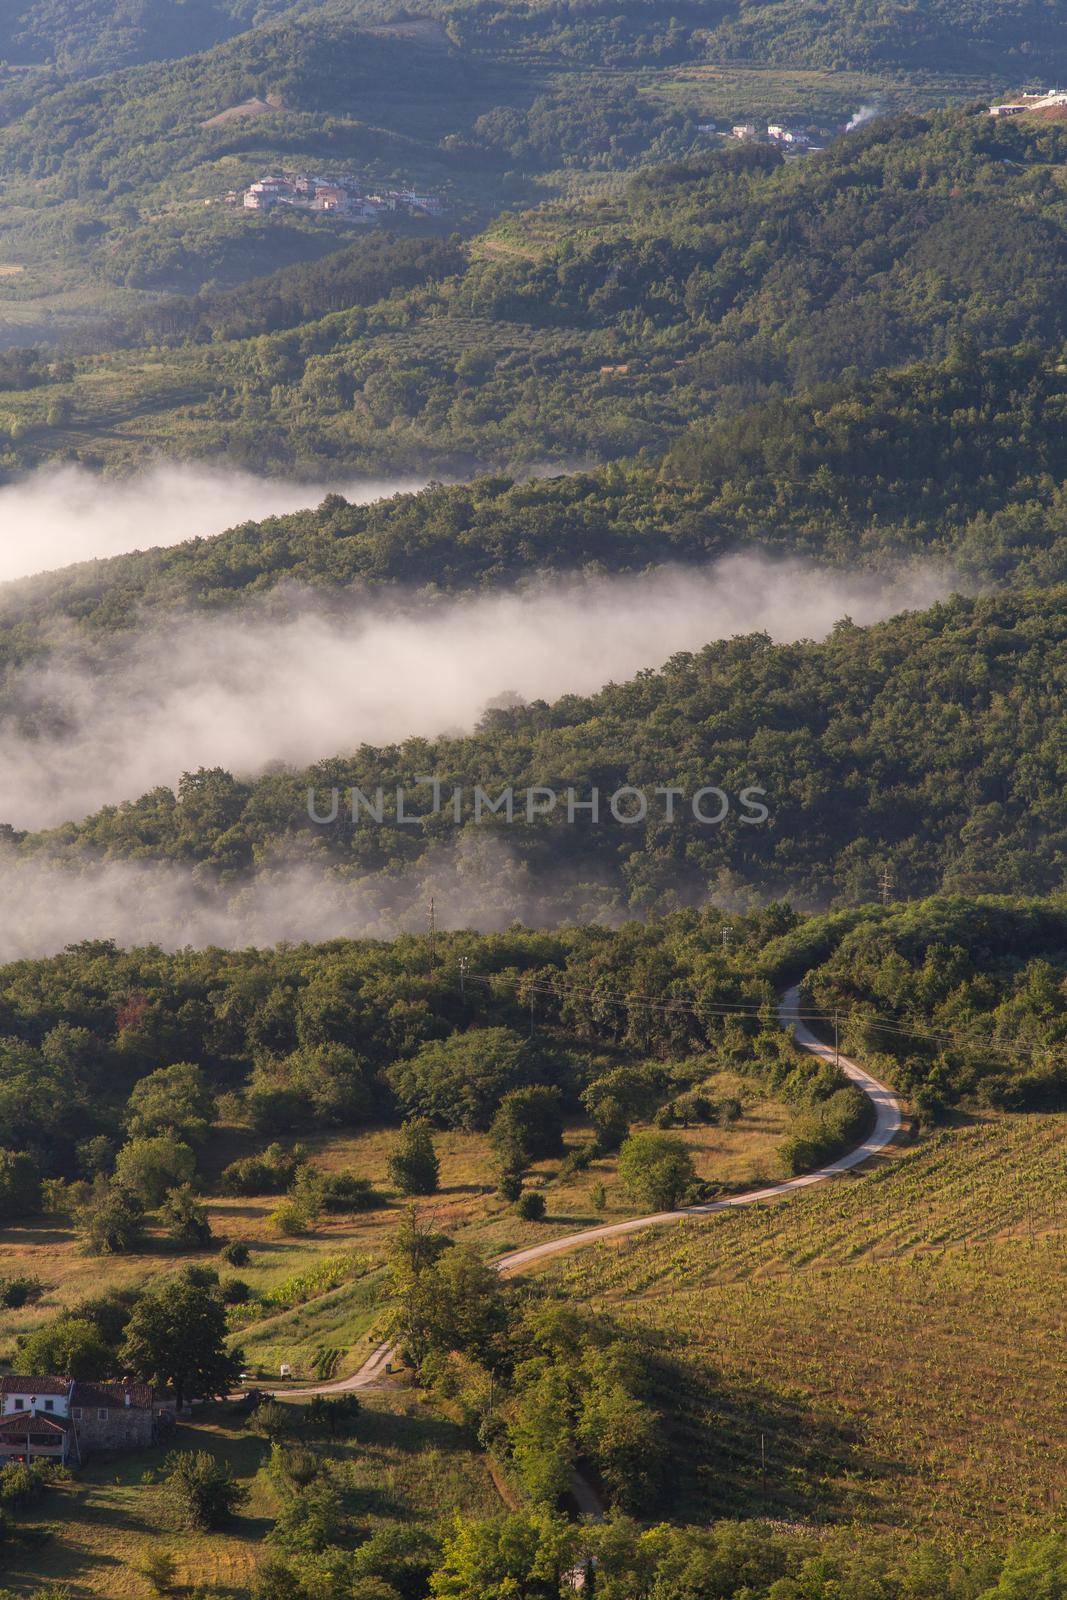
65,1419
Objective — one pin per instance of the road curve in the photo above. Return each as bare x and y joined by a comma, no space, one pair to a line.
887,1123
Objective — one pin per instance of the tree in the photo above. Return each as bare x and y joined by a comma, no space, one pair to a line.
149,1167
203,1492
270,1419
531,1206
656,1169
70,1345
413,1164
173,1100
185,1218
20,1185
111,1220
455,1304
160,1569
523,1555
176,1336
312,1518
528,1126
458,1082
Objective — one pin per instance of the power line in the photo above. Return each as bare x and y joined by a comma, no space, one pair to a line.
740,1010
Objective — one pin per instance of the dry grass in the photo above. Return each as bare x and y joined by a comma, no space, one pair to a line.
407,1465
466,1207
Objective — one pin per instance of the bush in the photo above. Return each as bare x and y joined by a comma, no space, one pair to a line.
236,1253
203,1492
510,1186
269,1173
19,1291
235,1291
656,1169
531,1206
20,1186
413,1164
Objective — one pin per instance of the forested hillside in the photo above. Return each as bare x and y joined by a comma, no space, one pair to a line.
927,744
603,327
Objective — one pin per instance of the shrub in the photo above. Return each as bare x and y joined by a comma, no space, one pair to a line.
160,1569
531,1206
235,1291
269,1173
656,1169
203,1492
413,1164
236,1253
19,1291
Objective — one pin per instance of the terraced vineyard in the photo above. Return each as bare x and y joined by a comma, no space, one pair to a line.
888,1343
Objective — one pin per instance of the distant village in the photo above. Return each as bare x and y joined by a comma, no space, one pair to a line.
1030,100
342,197
794,141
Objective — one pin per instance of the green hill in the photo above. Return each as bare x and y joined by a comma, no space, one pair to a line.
601,327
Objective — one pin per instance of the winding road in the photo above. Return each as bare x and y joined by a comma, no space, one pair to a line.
887,1124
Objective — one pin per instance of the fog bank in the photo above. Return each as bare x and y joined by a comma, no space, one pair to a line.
477,883
297,679
60,515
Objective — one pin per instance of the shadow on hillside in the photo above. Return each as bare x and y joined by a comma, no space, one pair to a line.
740,1450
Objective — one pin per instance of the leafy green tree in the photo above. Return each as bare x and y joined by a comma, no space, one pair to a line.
455,1304
312,1518
149,1167
413,1164
458,1082
70,1345
175,1101
656,1169
202,1490
185,1218
527,1127
20,1185
176,1337
523,1556
111,1220
272,1420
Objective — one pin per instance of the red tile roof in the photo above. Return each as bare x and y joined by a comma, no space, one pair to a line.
31,1386
112,1394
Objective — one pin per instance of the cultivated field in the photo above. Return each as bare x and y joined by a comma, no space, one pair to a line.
891,1345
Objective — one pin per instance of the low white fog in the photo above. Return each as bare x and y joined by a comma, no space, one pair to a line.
100,723
64,514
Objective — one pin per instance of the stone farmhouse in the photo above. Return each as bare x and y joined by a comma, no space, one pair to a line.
64,1419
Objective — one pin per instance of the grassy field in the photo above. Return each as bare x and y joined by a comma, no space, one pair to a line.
893,1343
404,1463
467,1207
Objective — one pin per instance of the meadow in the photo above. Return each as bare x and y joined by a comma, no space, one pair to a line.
346,1318
406,1464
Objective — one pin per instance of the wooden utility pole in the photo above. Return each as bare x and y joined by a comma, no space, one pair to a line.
886,884
431,946
463,965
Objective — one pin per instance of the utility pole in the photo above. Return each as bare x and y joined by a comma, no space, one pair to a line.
837,1048
885,883
432,941
763,1466
727,935
463,965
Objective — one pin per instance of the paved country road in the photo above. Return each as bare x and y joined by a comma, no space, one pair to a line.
887,1123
